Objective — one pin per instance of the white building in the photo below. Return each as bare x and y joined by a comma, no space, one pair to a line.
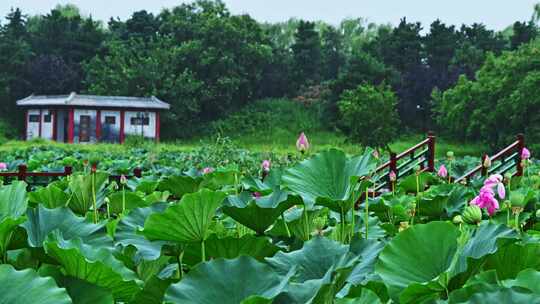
78,118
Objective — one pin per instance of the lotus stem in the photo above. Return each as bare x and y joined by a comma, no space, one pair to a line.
94,204
179,259
203,251
286,226
366,216
342,224
306,223
417,207
108,210
123,199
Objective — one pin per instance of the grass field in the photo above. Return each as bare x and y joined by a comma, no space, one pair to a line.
277,144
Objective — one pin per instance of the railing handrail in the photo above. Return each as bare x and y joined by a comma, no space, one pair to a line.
518,145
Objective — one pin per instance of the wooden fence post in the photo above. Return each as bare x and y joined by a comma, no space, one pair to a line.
137,172
519,164
431,152
22,172
68,170
393,165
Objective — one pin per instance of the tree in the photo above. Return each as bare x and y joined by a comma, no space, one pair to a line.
522,33
307,54
332,55
369,115
439,46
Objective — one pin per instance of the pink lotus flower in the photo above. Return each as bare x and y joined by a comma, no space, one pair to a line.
442,171
525,153
302,144
266,165
392,176
486,199
208,170
3,167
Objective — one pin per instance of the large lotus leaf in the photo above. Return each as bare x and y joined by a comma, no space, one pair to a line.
81,189
314,259
458,199
366,297
368,251
503,295
27,287
82,292
227,282
146,185
132,201
299,225
188,221
127,232
157,197
219,179
153,291
94,265
13,200
51,197
270,182
180,185
258,213
485,240
527,278
433,202
409,184
231,248
41,221
7,227
328,178
508,261
418,256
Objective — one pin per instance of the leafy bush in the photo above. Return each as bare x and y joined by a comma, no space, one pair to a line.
369,115
269,117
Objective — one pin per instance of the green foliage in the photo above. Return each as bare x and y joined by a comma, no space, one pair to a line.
504,91
369,115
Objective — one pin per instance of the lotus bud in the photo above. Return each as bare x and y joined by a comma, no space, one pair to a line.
458,220
376,154
107,200
85,162
3,166
266,165
472,214
123,179
403,226
442,171
525,154
302,144
208,170
450,155
487,162
517,199
392,176
114,185
417,169
93,168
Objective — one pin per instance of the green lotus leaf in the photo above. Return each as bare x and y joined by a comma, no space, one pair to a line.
157,197
81,190
297,223
180,185
153,291
13,204
433,201
227,282
258,213
219,179
368,251
409,183
231,248
27,287
366,297
512,295
508,261
41,221
328,178
188,221
270,182
528,278
127,232
418,258
82,292
316,257
132,201
51,197
94,265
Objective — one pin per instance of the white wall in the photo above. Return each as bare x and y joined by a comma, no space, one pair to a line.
32,128
110,133
60,127
46,127
149,130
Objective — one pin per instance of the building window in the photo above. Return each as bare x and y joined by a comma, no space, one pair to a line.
33,118
47,118
137,121
110,120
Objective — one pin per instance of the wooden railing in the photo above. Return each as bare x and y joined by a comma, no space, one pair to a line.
43,178
501,163
420,155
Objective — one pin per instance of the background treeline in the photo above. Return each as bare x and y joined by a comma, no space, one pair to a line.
469,82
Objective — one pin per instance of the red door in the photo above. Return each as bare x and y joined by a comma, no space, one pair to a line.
84,127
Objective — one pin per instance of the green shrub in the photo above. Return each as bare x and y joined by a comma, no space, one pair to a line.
369,115
269,118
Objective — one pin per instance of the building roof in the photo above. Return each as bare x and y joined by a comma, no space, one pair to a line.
76,100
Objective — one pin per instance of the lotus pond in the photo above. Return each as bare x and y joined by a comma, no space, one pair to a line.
211,227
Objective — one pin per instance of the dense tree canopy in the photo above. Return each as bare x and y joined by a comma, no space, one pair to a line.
209,63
